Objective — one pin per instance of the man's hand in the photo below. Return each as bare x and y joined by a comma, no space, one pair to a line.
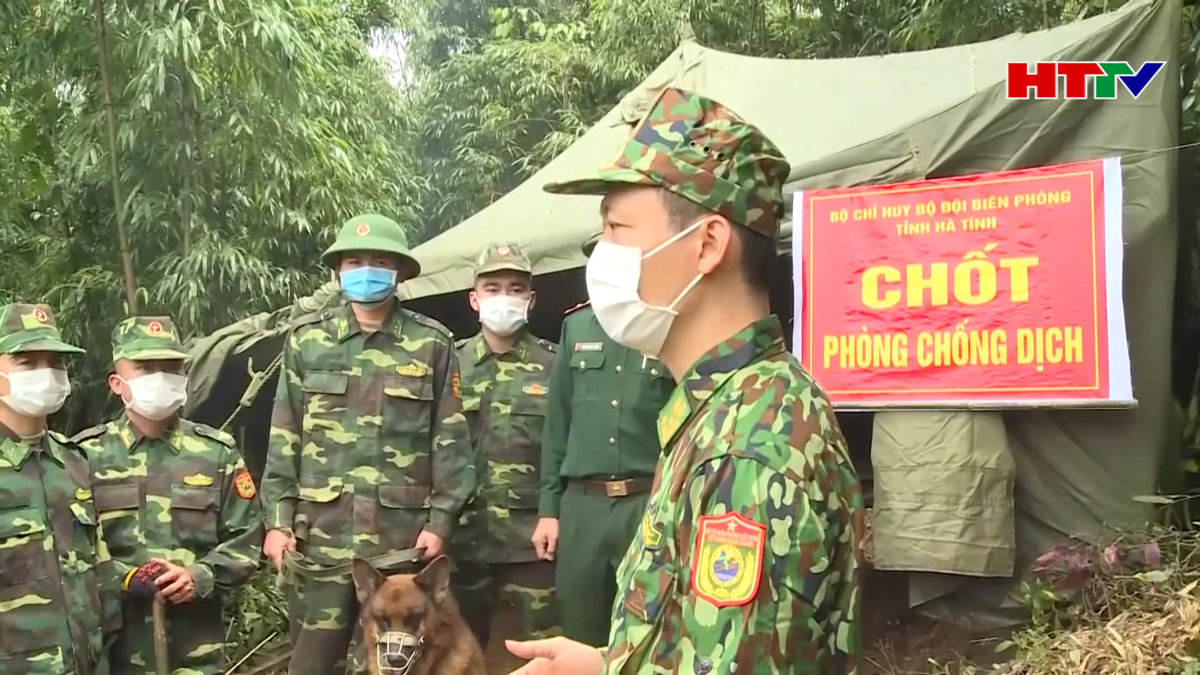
142,581
276,543
556,655
545,538
431,543
176,584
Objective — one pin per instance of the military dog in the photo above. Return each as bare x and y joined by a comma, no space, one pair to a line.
411,624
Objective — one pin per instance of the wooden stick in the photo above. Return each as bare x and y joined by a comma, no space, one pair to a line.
162,664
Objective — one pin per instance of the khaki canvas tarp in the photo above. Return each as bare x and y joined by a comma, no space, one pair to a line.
920,115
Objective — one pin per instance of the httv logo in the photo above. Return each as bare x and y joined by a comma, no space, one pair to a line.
1043,79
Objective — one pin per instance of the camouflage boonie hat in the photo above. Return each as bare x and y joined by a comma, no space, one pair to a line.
146,338
31,328
589,244
703,152
497,257
372,232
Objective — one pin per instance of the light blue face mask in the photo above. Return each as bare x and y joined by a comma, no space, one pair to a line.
368,284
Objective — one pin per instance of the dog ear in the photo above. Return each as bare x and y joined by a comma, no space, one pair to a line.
366,579
435,578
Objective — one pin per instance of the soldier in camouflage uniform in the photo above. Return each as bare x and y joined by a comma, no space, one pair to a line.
369,451
747,556
59,597
173,491
506,376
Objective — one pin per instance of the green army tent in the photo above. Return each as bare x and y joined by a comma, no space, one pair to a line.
848,122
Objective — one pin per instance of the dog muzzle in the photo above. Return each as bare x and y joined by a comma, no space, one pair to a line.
397,651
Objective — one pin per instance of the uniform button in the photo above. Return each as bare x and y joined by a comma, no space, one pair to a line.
582,364
618,369
654,371
614,403
612,441
703,665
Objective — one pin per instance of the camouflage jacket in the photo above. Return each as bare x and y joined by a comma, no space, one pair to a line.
368,442
60,598
504,397
747,555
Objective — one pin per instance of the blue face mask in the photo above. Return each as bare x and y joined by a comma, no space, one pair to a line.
368,284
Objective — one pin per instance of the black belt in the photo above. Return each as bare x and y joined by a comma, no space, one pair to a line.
615,487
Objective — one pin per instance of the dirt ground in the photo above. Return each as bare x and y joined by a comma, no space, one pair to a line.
898,641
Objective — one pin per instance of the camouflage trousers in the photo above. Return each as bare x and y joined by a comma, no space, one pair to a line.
323,626
527,589
195,640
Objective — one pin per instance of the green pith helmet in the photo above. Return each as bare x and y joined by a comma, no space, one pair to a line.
372,232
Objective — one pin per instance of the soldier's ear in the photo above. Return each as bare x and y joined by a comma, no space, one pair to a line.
532,301
114,384
366,579
473,297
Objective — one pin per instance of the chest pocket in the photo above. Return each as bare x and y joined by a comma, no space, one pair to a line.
408,407
22,535
471,403
194,515
586,369
119,506
325,411
86,524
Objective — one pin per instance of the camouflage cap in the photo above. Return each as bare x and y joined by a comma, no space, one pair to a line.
703,152
31,328
497,257
146,338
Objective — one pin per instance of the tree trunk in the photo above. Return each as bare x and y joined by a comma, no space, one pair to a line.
111,114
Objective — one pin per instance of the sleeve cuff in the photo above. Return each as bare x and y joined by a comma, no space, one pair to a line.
440,523
548,505
202,579
282,516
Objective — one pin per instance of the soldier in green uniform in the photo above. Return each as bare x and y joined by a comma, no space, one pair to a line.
747,558
60,605
599,451
506,387
173,495
369,453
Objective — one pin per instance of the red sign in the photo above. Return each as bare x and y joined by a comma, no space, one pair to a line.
1000,289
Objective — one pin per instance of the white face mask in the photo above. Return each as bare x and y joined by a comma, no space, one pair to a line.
613,272
503,314
38,392
156,396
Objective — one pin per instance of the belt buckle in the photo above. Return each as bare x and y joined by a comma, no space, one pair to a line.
616,488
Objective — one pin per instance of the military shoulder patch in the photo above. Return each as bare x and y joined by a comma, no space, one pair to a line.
549,346
652,532
578,307
727,560
310,318
90,432
222,437
243,484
